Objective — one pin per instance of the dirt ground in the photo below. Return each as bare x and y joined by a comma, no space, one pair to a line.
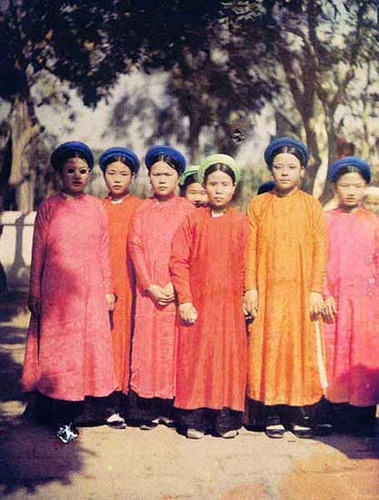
160,464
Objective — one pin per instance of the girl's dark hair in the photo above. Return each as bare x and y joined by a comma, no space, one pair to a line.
191,179
169,160
119,158
222,168
287,149
348,169
67,156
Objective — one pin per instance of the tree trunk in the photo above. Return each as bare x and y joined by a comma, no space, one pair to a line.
24,128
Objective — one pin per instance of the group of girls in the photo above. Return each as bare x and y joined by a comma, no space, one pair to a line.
180,310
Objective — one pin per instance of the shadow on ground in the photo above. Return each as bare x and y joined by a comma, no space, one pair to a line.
31,456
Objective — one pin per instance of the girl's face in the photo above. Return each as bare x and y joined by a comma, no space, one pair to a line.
75,176
196,194
220,189
371,202
350,189
287,173
118,177
164,180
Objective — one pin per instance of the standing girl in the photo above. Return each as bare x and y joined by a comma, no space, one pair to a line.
286,259
119,165
351,301
191,188
153,225
207,269
69,346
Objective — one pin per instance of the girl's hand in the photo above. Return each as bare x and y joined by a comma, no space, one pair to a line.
250,303
111,300
330,309
316,304
187,312
34,305
160,295
169,289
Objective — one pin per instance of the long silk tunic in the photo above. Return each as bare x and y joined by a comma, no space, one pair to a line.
207,267
119,215
153,365
352,339
69,350
286,260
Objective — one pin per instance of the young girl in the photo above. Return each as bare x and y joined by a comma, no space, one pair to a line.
69,346
351,301
207,268
286,259
371,199
119,166
153,226
191,188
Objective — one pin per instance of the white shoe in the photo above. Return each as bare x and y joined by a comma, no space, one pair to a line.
195,434
229,434
116,421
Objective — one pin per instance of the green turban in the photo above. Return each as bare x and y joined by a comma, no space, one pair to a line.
190,170
219,158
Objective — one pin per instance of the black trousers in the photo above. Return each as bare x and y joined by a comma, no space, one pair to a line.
260,415
148,409
49,411
205,419
346,417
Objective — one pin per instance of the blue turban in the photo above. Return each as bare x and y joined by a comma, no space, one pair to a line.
155,151
68,150
276,144
129,156
350,161
266,187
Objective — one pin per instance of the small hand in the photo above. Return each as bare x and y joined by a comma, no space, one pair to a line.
160,295
34,305
111,300
316,304
330,309
169,289
250,303
187,312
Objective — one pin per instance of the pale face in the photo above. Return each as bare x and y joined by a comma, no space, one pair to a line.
287,173
220,189
371,202
118,177
350,190
164,180
75,176
196,194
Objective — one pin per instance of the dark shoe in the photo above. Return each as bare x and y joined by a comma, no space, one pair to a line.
67,433
323,429
148,425
275,431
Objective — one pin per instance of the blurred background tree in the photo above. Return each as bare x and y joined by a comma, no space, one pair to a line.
202,75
